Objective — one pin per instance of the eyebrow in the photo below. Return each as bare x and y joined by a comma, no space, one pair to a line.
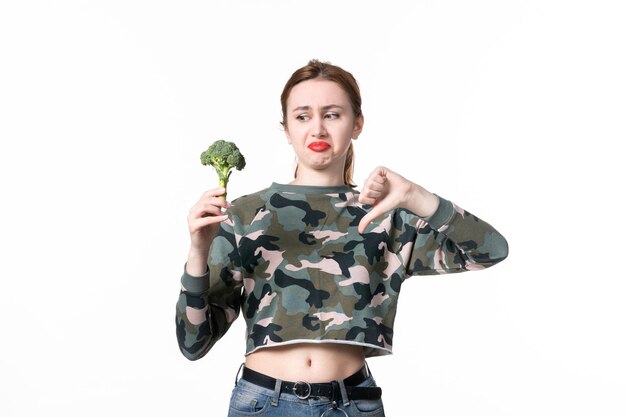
324,108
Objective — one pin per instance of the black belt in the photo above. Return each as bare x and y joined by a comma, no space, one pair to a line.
304,390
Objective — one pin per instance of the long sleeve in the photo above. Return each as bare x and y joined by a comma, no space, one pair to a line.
451,240
208,305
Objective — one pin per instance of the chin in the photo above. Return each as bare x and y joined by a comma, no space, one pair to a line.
320,163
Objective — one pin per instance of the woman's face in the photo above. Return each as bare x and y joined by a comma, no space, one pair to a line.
320,125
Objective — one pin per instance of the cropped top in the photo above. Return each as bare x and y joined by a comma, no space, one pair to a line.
290,258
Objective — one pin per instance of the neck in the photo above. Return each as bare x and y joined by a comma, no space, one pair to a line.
326,177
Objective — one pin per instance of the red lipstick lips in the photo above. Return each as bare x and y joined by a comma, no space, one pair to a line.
318,146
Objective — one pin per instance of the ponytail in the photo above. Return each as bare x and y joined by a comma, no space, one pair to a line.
348,168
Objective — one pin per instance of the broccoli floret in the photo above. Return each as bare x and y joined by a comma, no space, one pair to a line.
223,156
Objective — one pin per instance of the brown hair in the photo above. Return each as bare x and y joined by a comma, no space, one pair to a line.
326,71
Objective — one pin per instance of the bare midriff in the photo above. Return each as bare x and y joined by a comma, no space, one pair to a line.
320,362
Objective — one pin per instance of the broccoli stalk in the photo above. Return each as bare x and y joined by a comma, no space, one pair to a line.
223,156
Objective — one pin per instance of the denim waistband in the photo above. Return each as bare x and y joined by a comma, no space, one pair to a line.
301,391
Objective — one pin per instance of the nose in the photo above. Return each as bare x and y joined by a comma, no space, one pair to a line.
319,131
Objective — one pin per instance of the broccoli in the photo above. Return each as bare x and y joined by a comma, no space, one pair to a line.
223,156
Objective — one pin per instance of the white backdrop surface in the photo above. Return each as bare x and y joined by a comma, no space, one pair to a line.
514,110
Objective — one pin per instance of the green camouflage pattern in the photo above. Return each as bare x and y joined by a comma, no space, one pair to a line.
291,259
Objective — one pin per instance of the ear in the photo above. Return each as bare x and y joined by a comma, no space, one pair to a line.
358,127
287,136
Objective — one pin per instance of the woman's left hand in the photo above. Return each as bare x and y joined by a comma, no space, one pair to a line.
386,190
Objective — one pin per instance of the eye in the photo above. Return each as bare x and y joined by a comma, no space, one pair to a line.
302,117
331,116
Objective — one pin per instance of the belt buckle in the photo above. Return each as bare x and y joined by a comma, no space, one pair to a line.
306,386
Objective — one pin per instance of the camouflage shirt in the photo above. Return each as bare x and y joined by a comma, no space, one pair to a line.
292,260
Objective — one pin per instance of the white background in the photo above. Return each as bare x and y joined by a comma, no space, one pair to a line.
514,110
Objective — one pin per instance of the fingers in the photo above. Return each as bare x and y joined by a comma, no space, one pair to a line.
368,199
374,190
382,191
370,196
214,192
202,222
210,203
375,187
207,210
213,197
378,178
209,207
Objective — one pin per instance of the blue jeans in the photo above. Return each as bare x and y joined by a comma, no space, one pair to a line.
249,399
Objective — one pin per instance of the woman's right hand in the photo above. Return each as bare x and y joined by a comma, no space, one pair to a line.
203,221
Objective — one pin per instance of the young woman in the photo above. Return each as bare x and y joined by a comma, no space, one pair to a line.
315,265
